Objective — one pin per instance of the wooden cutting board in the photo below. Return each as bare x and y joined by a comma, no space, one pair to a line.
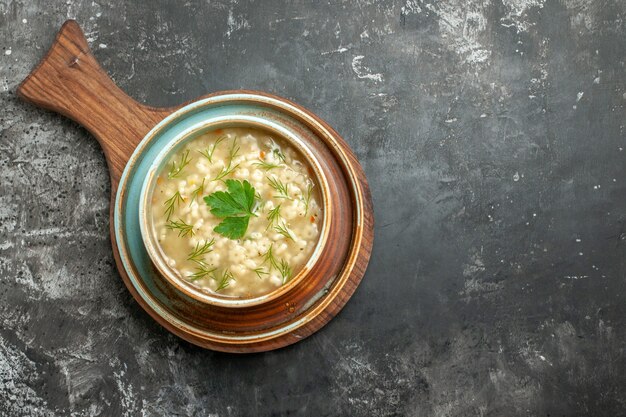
69,80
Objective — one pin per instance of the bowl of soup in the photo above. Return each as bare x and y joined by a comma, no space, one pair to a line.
243,221
233,212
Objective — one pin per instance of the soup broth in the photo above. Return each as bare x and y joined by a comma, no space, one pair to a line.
237,212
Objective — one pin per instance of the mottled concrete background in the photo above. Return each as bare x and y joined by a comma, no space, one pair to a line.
492,133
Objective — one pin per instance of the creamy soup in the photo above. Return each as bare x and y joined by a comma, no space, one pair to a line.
237,212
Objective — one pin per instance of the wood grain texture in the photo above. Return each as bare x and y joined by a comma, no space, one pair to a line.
69,80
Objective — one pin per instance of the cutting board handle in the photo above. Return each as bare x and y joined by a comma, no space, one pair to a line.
69,80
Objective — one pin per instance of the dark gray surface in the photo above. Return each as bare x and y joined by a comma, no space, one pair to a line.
492,134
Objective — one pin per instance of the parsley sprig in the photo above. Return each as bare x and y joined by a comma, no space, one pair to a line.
236,206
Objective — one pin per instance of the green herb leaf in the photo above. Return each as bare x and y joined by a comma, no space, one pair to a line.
280,187
260,272
243,193
279,154
197,255
183,228
208,153
233,227
223,204
284,230
269,257
265,165
235,205
196,191
225,280
176,169
171,203
202,271
285,270
306,198
237,201
273,216
228,169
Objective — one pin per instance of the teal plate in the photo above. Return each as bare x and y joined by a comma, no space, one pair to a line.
159,295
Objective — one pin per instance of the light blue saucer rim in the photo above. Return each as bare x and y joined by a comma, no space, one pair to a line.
191,114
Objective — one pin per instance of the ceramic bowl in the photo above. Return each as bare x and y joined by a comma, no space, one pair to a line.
279,129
